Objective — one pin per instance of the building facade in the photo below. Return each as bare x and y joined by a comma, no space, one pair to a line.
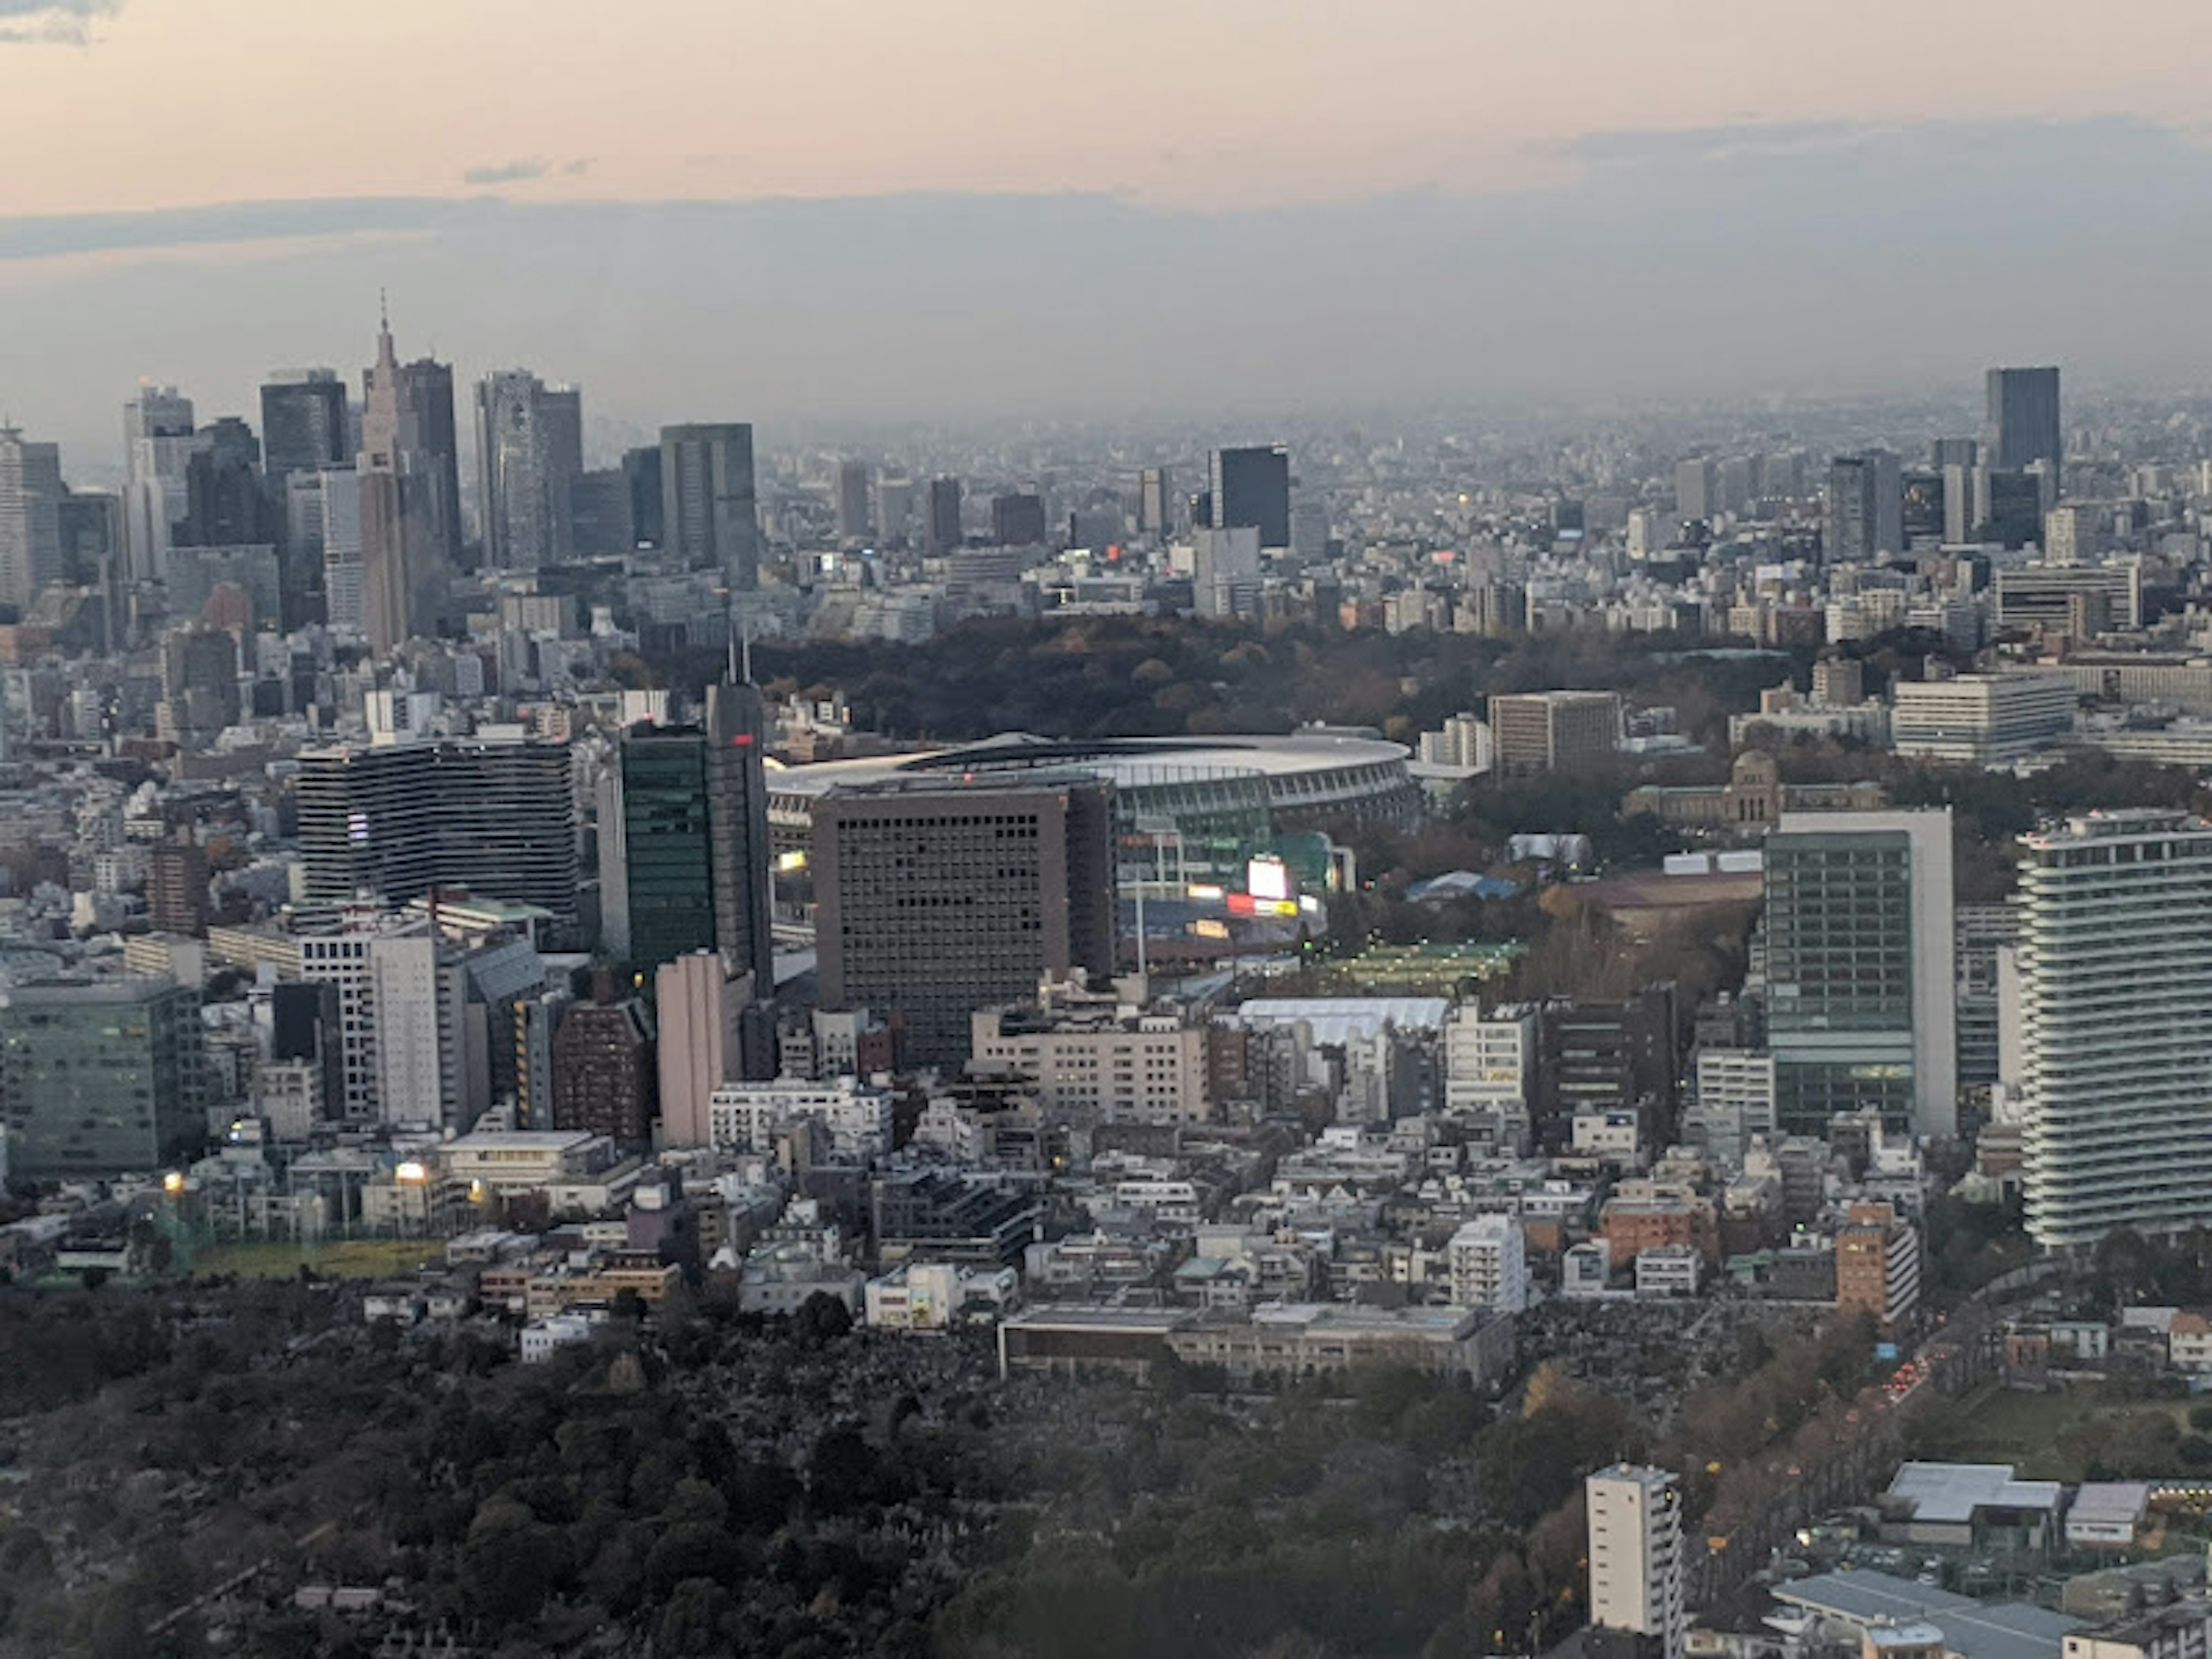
1861,979
1635,1522
709,512
2115,973
100,1078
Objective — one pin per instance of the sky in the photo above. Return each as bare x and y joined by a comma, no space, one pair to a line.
826,209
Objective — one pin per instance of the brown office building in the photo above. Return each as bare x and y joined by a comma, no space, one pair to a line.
938,900
177,888
1553,731
605,1080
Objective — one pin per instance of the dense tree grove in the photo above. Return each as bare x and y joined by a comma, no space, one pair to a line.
712,1485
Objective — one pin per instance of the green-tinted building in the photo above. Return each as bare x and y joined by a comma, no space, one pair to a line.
100,1078
668,866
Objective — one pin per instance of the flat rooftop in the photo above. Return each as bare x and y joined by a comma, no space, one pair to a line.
1974,1630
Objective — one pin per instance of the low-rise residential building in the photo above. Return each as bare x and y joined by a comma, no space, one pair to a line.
544,1338
934,1296
747,1117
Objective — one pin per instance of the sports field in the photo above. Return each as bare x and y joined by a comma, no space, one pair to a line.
343,1258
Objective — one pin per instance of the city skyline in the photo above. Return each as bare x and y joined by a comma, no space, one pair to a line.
1068,254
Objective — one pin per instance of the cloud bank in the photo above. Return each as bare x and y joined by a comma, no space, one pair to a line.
1733,262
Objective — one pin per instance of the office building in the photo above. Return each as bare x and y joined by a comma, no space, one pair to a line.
1225,573
2079,600
158,436
894,510
1095,1059
1251,489
432,1046
304,426
396,821
529,450
30,517
177,888
1488,1262
940,523
2115,1076
2022,426
1860,974
939,899
601,524
409,473
1864,516
331,500
641,471
1697,489
710,520
699,1004
1155,501
604,1081
1982,719
100,1078
1018,521
1635,1536
1554,731
1736,1100
224,503
852,501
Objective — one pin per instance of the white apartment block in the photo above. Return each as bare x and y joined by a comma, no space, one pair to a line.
1128,1068
2114,967
1488,1260
1489,1059
1982,719
746,1117
1735,1099
1635,1518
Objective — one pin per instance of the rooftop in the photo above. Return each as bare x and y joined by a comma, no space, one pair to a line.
1974,1630
1951,1493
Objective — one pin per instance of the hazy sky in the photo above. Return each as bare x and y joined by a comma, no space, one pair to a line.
1568,193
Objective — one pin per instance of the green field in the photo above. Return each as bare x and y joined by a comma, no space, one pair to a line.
2049,1436
344,1258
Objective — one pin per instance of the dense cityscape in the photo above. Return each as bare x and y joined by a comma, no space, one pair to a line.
1105,829
1370,976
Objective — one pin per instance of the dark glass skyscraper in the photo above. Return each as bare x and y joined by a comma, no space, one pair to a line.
709,514
683,842
2023,419
665,864
303,422
1252,488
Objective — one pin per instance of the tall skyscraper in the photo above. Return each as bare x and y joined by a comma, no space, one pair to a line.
1697,488
641,467
30,517
410,472
2022,424
2108,1050
941,529
710,516
529,446
1861,985
698,1005
852,524
225,505
395,822
936,900
1635,1522
337,516
1155,501
303,422
158,438
737,801
1251,489
1865,508
419,1003
683,848
894,508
